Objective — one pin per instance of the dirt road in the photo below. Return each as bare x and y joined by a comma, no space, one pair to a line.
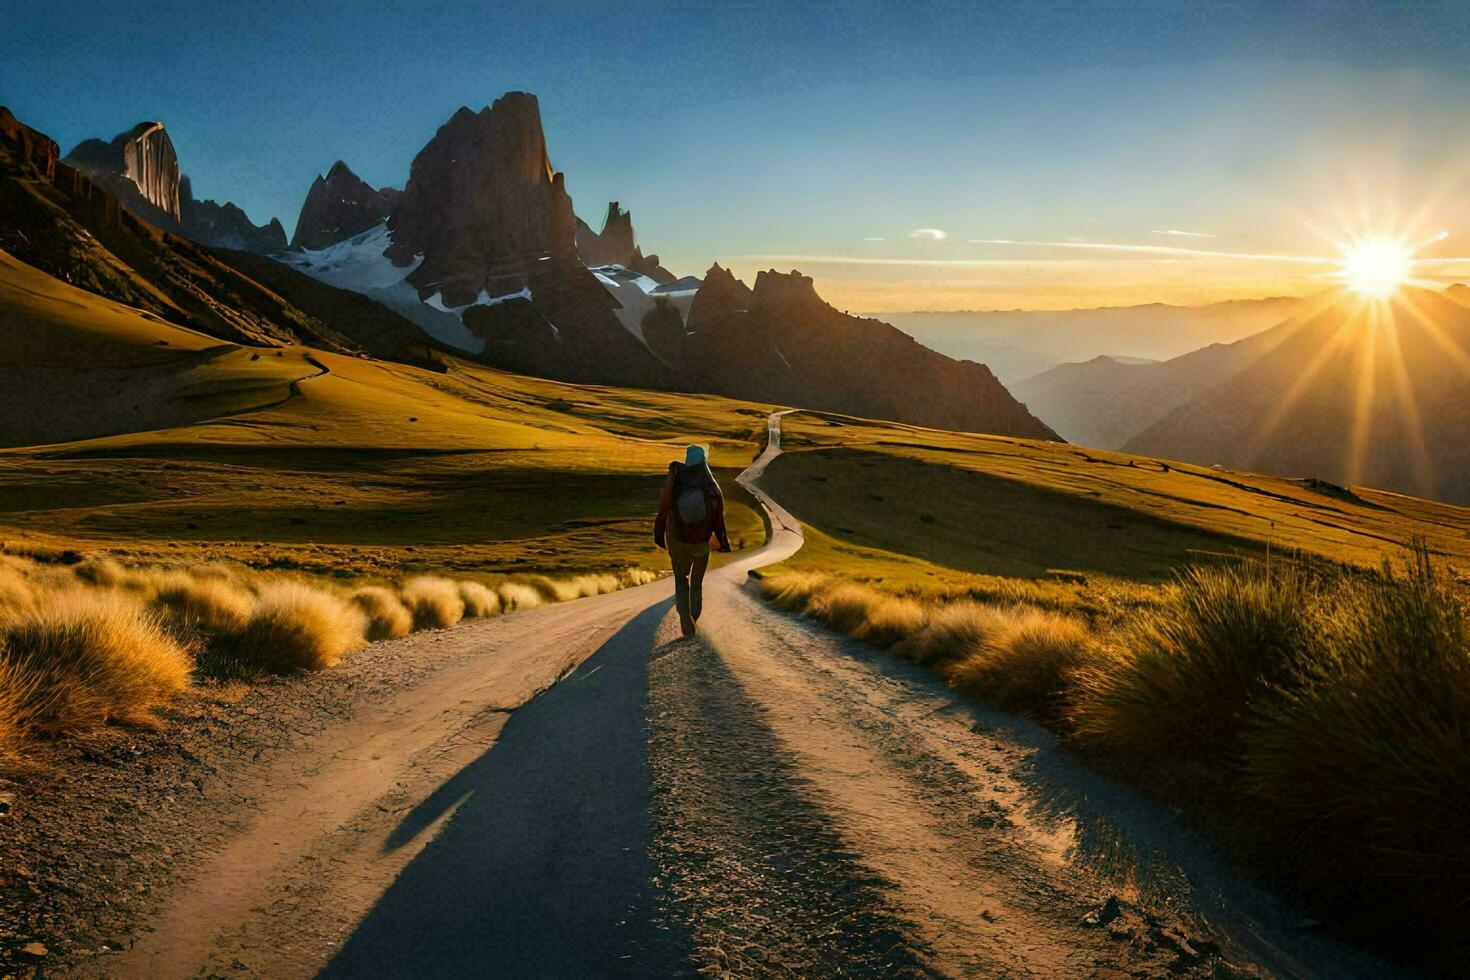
574,791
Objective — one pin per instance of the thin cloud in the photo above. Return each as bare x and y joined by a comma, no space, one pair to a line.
867,260
875,239
1163,250
1184,234
931,234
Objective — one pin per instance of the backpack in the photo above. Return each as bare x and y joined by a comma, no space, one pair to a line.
692,506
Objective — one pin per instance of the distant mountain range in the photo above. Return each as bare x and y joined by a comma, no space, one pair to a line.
1344,391
1019,344
480,254
1349,392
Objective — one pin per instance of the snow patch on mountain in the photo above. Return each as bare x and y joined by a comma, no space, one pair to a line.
355,263
637,295
358,264
484,299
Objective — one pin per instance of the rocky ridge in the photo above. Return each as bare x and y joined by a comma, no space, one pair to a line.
340,205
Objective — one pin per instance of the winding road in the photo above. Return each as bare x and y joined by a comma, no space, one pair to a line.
575,791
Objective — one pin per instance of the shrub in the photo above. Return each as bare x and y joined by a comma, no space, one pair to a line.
478,600
1370,745
517,595
435,602
631,577
790,591
1185,678
297,627
102,572
387,617
78,658
15,593
952,630
1025,666
213,605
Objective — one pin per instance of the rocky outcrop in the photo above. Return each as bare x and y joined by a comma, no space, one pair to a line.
781,343
140,169
59,220
226,225
613,245
33,149
143,157
617,244
483,205
720,292
338,206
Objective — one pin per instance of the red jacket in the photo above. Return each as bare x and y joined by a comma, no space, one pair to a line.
667,519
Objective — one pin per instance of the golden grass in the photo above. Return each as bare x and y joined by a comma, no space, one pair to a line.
212,604
15,592
236,622
518,595
1365,752
1027,665
1183,680
435,602
296,627
80,657
1332,698
387,617
478,600
1017,656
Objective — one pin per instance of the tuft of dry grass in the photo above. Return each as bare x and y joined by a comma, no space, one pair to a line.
1027,665
296,627
78,658
211,605
387,617
15,592
1185,678
1367,748
790,591
478,600
953,630
1018,657
518,595
435,602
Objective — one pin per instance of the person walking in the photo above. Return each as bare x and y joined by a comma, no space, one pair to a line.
690,512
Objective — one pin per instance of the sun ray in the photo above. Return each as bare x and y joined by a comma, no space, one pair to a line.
1288,400
1410,421
1359,436
1459,357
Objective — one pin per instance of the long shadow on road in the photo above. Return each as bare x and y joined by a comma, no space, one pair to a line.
543,869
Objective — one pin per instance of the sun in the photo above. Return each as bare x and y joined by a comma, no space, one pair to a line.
1376,267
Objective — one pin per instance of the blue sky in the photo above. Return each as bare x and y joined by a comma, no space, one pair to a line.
791,134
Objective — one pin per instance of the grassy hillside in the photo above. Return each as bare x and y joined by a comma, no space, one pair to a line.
78,365
370,466
989,505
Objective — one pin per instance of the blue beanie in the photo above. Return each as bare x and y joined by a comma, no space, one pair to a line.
694,456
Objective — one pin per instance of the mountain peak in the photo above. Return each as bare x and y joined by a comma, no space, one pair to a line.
338,206
144,155
778,288
490,173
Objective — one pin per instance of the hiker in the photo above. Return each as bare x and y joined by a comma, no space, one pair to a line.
691,510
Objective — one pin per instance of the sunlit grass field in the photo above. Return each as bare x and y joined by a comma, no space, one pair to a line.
928,510
375,467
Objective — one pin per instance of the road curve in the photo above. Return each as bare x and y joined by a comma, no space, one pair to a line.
576,791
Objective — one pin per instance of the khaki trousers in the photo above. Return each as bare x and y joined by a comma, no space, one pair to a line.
689,561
